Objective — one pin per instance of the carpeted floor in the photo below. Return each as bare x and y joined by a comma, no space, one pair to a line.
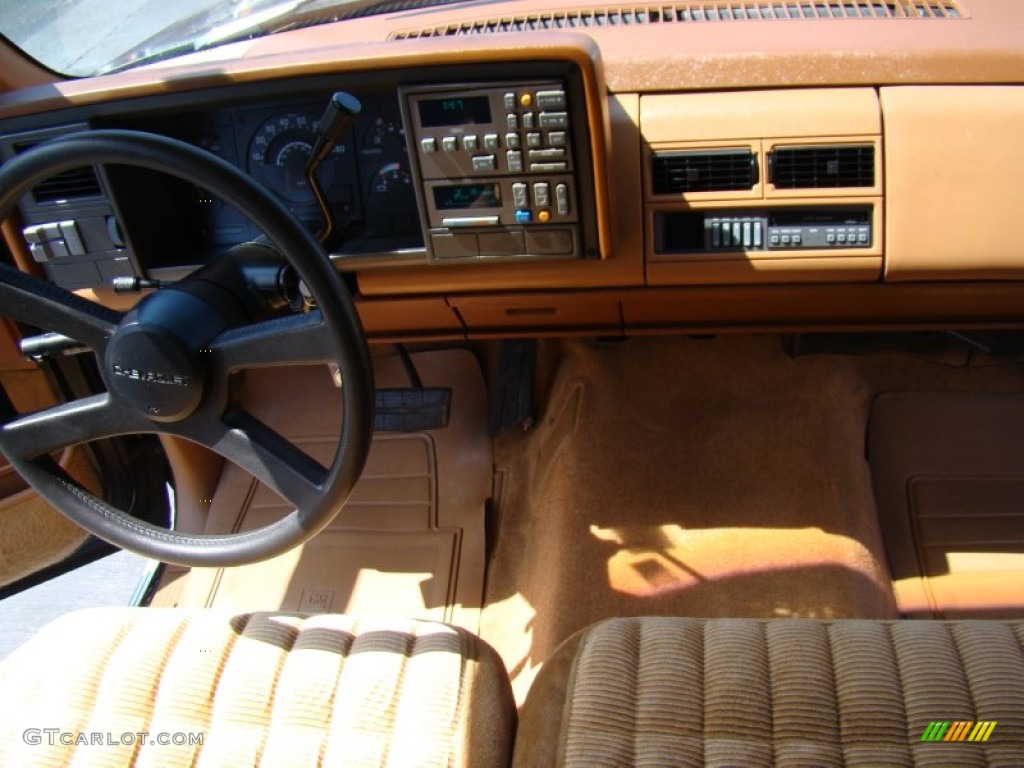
696,477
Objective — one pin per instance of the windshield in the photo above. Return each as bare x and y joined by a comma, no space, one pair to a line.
81,38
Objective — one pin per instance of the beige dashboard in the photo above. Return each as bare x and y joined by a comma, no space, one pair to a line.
931,107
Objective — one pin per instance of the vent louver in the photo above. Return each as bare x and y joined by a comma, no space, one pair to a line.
822,167
677,13
703,171
69,185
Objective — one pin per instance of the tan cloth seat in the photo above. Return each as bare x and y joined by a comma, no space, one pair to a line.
272,689
681,692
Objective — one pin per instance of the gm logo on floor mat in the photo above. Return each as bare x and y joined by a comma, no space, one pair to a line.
958,730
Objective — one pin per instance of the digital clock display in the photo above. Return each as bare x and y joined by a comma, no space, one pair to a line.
458,110
449,197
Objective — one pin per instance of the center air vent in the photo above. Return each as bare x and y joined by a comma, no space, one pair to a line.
822,167
703,171
70,185
697,12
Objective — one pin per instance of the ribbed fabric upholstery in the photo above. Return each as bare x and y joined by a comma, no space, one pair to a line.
787,692
268,689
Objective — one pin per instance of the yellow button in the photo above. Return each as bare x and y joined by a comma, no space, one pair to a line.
543,216
526,99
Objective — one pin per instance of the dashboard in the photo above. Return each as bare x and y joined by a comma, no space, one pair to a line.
637,173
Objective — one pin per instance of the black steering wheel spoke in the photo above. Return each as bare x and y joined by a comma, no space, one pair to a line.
291,340
79,421
36,302
168,362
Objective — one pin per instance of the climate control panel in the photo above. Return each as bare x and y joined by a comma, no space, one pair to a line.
495,168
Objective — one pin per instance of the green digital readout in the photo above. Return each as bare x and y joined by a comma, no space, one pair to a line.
449,197
460,110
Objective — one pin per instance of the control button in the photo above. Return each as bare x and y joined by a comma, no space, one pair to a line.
533,139
747,237
725,230
551,99
541,194
547,154
737,233
785,239
515,161
716,234
526,99
38,252
510,101
862,238
549,242
830,238
502,244
757,234
774,240
562,199
797,238
529,121
543,216
841,237
557,138
512,140
484,162
33,234
490,141
57,249
549,167
428,145
519,199
554,120
458,246
512,121
50,231
449,144
524,217
471,143
470,221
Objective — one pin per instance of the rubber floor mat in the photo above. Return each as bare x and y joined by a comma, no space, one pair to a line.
948,473
409,542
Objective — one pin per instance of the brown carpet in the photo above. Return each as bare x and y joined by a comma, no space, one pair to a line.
695,477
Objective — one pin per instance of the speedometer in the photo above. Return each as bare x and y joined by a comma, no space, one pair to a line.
279,152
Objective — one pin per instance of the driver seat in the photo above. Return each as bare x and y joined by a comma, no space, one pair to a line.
169,687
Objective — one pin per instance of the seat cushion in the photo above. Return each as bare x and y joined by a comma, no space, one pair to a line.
275,689
682,692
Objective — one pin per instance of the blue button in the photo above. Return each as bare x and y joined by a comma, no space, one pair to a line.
524,217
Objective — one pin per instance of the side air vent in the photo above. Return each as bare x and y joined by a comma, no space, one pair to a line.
822,167
70,185
703,12
704,171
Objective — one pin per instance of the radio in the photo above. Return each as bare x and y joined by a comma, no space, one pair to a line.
495,169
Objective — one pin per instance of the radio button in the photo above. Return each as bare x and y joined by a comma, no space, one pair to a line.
428,145
490,141
515,161
449,143
519,198
554,120
541,194
510,102
512,120
549,167
553,153
533,139
562,199
512,140
523,217
484,162
551,99
471,143
557,138
529,121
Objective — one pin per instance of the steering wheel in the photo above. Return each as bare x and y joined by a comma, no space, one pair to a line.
167,364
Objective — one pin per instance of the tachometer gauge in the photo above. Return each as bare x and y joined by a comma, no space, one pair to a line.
279,151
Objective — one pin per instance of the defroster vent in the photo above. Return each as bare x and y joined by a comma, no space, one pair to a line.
716,170
822,167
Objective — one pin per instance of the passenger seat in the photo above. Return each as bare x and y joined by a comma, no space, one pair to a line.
691,692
